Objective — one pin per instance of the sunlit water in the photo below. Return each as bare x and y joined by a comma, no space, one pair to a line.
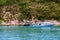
27,33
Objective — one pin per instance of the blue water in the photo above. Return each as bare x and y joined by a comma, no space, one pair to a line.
27,33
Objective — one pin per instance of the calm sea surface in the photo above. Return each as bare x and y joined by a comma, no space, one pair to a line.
27,33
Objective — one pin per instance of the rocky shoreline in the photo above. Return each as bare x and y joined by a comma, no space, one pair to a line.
16,23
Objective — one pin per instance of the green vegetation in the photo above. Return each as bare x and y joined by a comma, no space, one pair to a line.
25,9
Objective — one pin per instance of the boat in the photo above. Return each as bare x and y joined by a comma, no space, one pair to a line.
26,24
43,24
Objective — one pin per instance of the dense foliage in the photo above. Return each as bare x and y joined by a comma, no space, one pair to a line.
25,9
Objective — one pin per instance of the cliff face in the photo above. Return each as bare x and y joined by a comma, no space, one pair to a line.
26,9
10,12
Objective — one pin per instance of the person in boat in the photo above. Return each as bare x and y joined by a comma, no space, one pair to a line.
26,23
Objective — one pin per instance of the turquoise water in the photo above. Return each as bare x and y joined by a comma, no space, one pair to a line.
26,33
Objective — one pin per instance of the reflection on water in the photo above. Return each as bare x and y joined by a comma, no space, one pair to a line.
26,33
